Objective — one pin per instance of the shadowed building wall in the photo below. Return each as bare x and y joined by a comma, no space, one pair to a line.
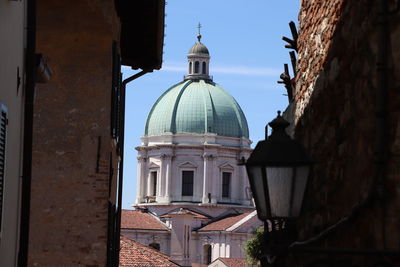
72,142
346,112
78,125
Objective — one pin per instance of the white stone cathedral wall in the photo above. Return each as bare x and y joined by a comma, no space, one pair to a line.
216,161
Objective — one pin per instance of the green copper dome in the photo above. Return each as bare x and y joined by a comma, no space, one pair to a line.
197,106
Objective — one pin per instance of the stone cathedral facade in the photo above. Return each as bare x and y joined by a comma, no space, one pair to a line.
193,196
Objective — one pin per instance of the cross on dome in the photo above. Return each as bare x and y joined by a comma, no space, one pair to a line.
199,34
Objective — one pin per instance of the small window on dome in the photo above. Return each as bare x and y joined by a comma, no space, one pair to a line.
190,67
204,68
196,67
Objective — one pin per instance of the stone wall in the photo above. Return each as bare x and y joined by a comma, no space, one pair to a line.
338,119
72,142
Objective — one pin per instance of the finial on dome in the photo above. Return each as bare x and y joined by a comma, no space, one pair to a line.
199,35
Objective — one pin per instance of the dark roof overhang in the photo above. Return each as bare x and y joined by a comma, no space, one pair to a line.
142,32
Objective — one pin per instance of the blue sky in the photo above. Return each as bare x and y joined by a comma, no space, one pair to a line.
247,57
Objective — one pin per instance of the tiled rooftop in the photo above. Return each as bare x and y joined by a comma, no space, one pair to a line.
223,224
233,262
135,219
138,255
199,265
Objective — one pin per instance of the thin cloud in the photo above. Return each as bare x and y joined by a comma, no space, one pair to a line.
236,70
173,68
251,71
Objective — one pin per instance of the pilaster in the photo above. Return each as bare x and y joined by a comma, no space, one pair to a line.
207,174
141,179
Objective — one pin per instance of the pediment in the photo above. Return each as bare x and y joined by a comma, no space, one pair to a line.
187,164
226,166
153,165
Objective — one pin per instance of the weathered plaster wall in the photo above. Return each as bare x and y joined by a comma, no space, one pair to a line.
335,114
68,224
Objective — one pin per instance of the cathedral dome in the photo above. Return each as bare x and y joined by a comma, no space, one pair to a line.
197,106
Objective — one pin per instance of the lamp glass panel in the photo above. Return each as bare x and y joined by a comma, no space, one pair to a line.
257,188
280,181
300,187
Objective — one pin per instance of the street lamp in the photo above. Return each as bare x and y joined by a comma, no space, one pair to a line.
278,170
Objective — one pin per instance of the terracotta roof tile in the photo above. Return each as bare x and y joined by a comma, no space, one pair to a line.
224,223
199,265
134,219
233,262
134,254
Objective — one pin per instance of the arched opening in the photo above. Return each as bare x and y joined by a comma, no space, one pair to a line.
204,68
207,254
190,67
196,67
155,246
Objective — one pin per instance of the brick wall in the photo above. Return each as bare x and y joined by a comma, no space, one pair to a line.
70,179
337,91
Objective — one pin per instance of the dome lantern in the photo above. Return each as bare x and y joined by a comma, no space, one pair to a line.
198,60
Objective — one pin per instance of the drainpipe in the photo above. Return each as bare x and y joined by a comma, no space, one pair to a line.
381,126
121,164
30,69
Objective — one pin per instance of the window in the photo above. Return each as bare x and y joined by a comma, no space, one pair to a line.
155,246
204,68
190,67
187,183
3,131
207,254
226,184
153,183
196,67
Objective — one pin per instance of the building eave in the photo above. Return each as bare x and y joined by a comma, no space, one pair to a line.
142,36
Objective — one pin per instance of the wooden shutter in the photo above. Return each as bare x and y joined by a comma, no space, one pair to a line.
3,136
